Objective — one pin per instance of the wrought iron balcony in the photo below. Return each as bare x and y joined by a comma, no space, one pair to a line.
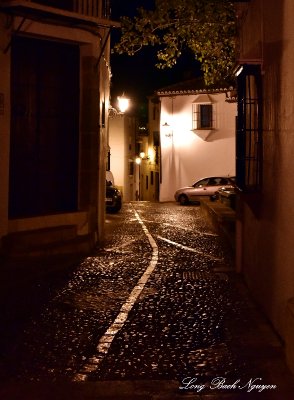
90,8
93,13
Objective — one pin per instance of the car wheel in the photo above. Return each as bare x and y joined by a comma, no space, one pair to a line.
183,200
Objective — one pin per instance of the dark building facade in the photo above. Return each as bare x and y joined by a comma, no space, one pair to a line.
54,95
265,164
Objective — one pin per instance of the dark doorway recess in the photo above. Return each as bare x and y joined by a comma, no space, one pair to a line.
44,128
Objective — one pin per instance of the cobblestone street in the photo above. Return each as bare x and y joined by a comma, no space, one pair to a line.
159,302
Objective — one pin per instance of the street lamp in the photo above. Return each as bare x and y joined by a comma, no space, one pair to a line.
123,105
143,156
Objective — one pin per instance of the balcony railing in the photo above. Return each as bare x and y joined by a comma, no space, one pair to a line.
91,8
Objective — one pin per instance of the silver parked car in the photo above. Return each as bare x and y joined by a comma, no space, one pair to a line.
205,187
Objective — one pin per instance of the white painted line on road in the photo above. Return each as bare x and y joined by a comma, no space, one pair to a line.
183,228
121,245
189,249
191,230
108,337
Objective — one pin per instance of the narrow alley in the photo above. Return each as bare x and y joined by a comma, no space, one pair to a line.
158,312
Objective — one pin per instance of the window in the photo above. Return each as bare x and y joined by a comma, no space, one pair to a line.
131,168
103,114
203,182
205,116
156,158
108,161
249,129
151,177
215,181
202,116
156,143
138,148
156,138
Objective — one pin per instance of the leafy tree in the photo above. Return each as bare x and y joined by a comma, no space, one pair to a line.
205,27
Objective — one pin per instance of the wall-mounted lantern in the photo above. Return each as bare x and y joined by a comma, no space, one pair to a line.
167,130
123,103
142,157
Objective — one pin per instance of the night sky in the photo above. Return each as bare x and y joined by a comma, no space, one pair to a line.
137,75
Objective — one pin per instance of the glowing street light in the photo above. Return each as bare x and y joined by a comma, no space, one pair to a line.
123,103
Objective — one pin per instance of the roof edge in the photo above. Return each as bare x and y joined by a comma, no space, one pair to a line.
193,91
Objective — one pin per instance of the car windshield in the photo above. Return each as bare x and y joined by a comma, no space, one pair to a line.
201,183
214,181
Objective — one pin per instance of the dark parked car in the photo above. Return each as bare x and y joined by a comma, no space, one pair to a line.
227,195
113,198
205,187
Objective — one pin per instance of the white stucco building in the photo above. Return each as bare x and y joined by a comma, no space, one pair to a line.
122,134
197,134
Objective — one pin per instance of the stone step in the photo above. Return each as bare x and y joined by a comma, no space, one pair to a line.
223,219
29,246
30,239
80,245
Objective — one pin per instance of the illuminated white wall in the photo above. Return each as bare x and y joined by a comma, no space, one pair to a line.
185,156
122,148
117,144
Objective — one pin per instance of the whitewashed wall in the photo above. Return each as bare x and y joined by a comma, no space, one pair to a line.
117,149
122,151
186,157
